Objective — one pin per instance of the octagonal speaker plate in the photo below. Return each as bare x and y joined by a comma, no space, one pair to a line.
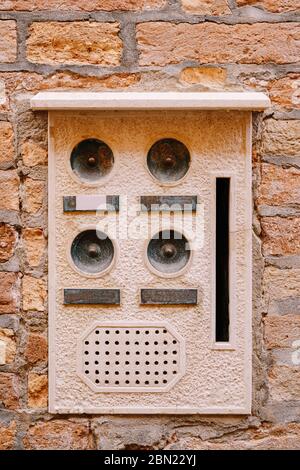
131,357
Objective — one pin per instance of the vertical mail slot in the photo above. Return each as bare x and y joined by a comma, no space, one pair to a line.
150,252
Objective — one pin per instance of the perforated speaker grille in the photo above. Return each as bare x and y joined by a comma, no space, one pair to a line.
127,357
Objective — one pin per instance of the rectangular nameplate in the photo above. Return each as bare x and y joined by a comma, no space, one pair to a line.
169,296
168,203
91,203
92,296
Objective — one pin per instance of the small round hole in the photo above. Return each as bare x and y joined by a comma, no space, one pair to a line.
86,371
86,342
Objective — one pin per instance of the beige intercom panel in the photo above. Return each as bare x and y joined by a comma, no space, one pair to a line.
150,261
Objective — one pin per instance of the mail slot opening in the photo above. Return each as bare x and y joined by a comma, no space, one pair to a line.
222,259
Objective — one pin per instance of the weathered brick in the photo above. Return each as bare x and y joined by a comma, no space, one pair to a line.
206,7
281,289
87,5
8,238
6,145
34,244
22,82
33,154
281,332
58,435
9,292
266,437
34,293
9,190
162,43
281,236
74,43
8,41
7,435
285,91
208,77
34,193
37,390
9,391
8,343
279,186
284,383
36,348
275,6
281,138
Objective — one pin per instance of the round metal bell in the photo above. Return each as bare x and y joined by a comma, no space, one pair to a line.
168,160
91,160
92,252
168,252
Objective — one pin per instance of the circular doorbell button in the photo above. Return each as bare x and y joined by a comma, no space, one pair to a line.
168,160
92,252
91,160
168,252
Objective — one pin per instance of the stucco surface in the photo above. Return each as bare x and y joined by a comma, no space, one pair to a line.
214,380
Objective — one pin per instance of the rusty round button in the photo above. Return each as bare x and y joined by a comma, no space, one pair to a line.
168,252
168,160
91,160
92,251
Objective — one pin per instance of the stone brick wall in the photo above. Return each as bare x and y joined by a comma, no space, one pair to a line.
187,45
